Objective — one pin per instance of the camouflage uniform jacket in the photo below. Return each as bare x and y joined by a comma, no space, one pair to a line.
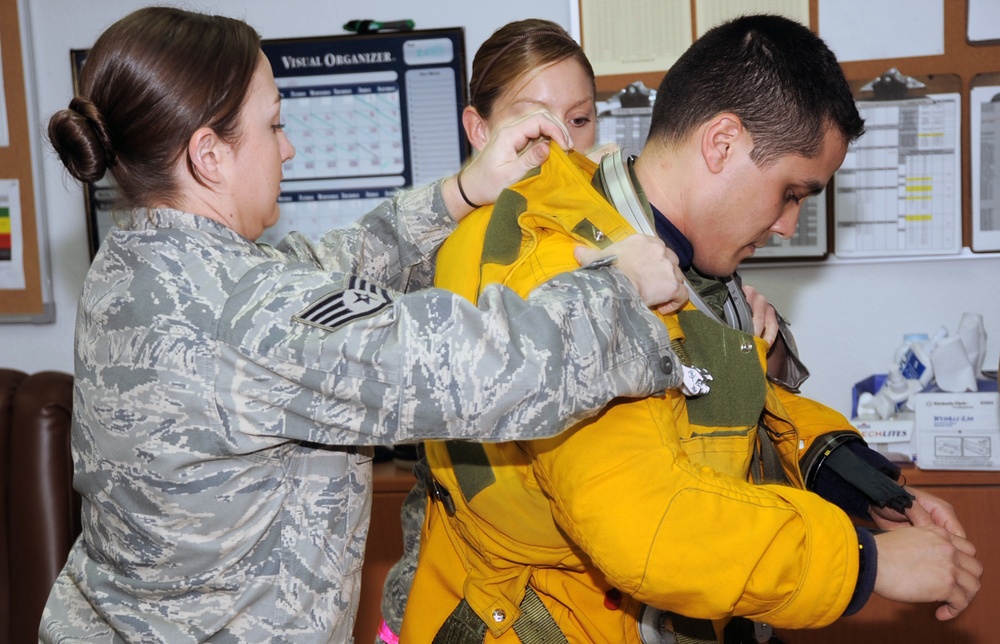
223,390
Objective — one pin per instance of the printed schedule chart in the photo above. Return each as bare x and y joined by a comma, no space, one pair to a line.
984,128
899,189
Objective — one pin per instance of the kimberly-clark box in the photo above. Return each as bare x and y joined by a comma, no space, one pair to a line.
958,431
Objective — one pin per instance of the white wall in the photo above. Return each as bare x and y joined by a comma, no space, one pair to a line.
847,317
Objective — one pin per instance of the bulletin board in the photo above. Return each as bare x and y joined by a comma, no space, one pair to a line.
963,59
25,292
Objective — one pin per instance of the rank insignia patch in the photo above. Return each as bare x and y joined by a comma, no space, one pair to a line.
359,300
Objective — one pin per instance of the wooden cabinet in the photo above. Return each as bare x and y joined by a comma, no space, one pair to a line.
975,495
385,545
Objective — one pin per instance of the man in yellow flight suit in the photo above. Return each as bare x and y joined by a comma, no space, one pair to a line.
664,518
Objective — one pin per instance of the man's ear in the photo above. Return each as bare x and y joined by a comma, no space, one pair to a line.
719,136
475,128
208,153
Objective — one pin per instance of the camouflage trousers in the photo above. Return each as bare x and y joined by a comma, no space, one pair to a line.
400,577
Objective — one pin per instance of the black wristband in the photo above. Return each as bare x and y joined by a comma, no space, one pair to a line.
461,191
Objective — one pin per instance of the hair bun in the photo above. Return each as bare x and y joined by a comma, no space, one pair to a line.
80,137
86,108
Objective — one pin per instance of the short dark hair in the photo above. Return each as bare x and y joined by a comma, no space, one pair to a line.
149,82
776,75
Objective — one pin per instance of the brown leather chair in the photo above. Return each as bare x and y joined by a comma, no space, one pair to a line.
38,506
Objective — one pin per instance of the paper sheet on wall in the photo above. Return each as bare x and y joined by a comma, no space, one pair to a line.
4,127
11,240
984,20
984,128
866,30
617,43
714,12
899,191
635,36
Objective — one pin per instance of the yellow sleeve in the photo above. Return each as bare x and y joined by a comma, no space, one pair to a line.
680,537
812,419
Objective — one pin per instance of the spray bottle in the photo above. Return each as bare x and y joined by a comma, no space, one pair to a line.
909,339
916,361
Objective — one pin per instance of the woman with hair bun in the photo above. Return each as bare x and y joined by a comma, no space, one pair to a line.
227,393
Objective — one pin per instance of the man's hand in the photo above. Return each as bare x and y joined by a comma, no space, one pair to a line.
650,266
765,318
517,147
919,564
926,510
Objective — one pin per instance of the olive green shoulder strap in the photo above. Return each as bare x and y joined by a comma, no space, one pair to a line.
534,626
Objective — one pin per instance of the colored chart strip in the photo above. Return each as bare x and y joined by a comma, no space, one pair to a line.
5,240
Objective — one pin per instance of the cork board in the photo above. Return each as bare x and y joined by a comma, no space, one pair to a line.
26,304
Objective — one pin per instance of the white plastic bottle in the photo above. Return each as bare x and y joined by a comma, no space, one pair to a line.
890,397
909,339
916,361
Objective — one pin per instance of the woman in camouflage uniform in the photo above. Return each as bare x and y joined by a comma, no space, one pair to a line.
227,393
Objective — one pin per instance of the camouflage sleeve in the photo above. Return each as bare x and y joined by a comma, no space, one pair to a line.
358,365
393,245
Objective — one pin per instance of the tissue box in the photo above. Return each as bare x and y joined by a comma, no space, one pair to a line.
895,437
958,431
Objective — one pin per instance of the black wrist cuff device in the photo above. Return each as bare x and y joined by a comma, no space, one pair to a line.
879,488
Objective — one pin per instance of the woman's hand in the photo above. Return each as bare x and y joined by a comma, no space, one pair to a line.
927,509
517,147
650,266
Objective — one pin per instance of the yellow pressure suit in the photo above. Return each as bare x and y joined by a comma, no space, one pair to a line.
648,503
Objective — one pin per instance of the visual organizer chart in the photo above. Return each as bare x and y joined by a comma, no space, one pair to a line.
368,115
345,132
